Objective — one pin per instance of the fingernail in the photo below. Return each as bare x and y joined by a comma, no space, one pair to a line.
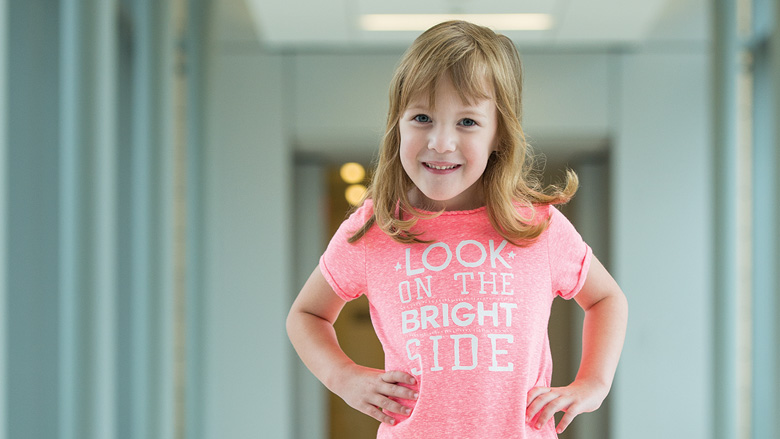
407,410
414,381
539,426
416,395
392,422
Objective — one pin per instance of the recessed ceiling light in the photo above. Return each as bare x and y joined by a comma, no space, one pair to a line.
420,22
354,194
352,172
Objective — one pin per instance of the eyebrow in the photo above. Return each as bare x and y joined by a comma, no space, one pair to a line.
473,112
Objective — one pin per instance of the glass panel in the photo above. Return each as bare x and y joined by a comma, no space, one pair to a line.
744,206
763,18
764,182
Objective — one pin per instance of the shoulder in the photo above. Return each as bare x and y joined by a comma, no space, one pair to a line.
552,222
358,221
359,215
536,214
366,209
559,226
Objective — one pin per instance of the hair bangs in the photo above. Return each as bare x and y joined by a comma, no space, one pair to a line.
461,60
471,78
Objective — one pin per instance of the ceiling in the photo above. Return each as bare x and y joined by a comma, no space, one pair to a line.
319,24
331,27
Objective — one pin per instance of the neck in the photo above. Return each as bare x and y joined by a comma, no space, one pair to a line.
473,200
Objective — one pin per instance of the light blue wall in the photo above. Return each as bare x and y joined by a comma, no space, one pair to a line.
86,243
31,181
310,410
662,250
3,221
87,220
247,249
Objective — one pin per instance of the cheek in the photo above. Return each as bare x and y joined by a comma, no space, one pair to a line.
409,147
482,148
407,156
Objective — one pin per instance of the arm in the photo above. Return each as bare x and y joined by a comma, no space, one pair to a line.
603,332
310,328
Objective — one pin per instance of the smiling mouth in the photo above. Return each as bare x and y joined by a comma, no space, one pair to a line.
440,167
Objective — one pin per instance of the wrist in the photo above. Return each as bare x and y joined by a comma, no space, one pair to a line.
338,375
598,385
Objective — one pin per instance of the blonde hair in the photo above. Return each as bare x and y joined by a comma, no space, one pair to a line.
472,56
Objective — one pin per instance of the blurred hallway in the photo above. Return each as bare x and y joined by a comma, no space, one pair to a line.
163,195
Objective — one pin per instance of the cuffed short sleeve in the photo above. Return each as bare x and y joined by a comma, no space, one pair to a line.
569,256
343,264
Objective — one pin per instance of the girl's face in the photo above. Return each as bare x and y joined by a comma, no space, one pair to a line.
446,150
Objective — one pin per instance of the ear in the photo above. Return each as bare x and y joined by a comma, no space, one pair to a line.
496,143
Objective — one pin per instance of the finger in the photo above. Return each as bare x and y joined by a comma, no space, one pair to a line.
535,392
553,407
569,416
538,403
397,391
378,414
397,376
389,405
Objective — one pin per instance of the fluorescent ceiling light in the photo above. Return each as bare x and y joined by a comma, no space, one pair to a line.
420,22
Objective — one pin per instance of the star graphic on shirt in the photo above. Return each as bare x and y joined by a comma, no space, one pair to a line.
511,255
397,266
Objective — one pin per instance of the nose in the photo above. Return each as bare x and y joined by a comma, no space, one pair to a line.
442,139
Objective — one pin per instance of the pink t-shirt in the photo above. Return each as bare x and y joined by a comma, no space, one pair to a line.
466,315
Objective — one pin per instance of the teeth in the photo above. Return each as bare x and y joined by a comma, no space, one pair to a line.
440,168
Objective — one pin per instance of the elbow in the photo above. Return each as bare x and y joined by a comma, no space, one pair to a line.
623,301
290,322
615,302
620,306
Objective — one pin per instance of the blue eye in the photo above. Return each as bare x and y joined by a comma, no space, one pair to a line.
422,118
468,122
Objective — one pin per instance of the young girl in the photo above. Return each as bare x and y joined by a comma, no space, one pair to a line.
460,253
